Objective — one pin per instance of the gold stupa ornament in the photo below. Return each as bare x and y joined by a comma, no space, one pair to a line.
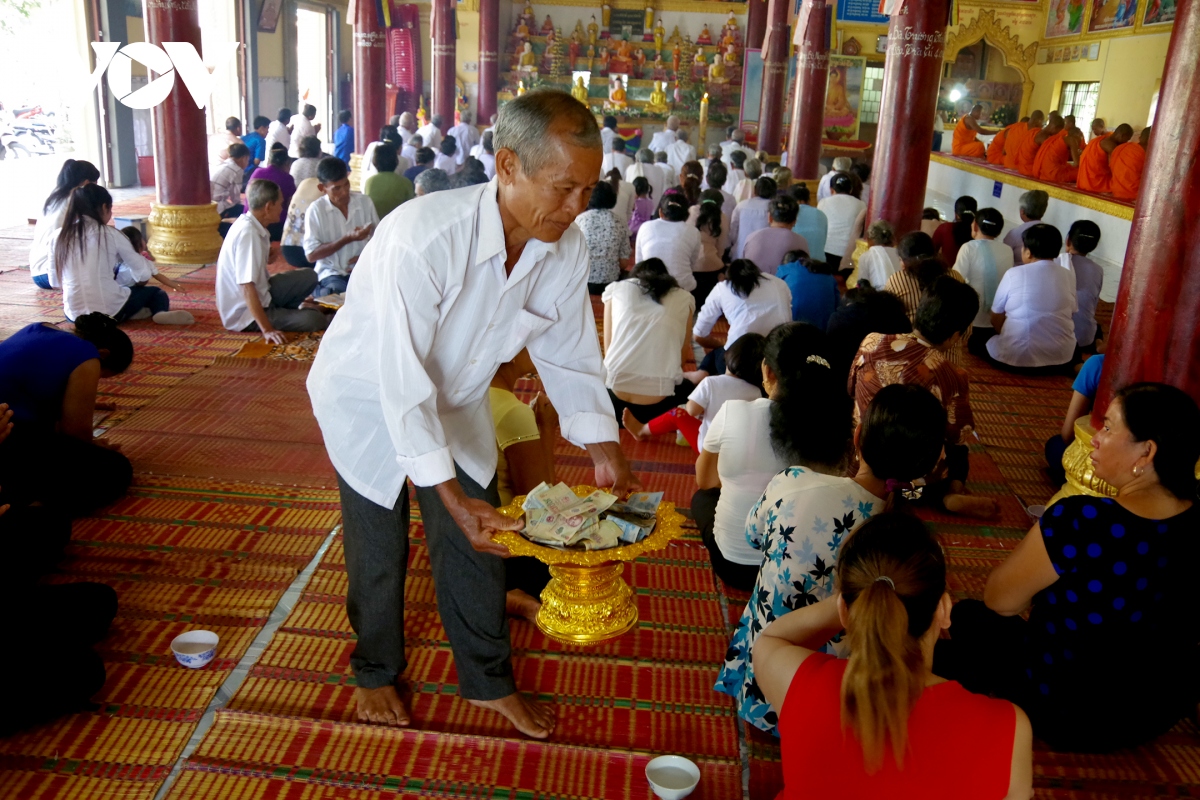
587,601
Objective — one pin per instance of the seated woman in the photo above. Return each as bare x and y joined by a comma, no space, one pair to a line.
713,223
48,378
522,462
864,311
1083,394
292,241
814,288
950,236
982,262
276,171
305,166
742,381
750,300
670,239
808,510
911,733
881,260
387,188
89,253
1082,239
73,175
1097,572
607,239
647,341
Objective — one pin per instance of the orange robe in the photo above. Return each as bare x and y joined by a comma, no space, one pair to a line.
1126,162
1012,143
995,151
964,143
1094,172
1027,153
1051,162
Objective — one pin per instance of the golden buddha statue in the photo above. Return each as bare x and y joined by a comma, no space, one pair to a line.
658,100
659,34
616,94
579,91
592,30
716,73
528,58
520,88
705,37
625,51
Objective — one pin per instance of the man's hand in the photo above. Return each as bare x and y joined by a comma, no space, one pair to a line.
359,233
476,519
274,337
612,470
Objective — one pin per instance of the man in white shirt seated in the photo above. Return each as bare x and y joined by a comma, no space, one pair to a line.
1033,310
487,155
218,143
680,152
407,126
607,133
431,132
445,158
400,389
670,176
616,158
250,300
737,143
336,227
225,181
302,125
466,137
713,155
666,137
645,168
1032,207
842,209
824,188
280,131
409,151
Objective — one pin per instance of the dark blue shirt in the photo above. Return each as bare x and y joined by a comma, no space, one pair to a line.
343,142
35,364
412,172
814,297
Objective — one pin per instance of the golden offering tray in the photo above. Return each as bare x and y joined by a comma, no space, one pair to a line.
587,601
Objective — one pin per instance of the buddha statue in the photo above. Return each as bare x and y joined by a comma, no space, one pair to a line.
705,37
616,93
528,60
579,91
716,72
520,88
624,51
659,34
547,26
658,100
593,30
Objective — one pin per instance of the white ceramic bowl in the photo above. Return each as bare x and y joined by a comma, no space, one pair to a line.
672,777
1036,511
194,649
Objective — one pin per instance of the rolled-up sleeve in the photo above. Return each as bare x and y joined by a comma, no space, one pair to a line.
709,313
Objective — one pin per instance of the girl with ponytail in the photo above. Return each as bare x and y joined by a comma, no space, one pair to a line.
87,255
952,235
710,220
880,723
808,509
72,176
1082,239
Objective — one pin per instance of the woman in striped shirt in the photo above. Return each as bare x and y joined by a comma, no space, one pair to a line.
921,269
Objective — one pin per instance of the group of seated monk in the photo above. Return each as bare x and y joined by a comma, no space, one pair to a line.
1052,149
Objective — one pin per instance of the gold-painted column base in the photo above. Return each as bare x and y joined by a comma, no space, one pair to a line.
587,605
1081,478
184,234
860,247
356,171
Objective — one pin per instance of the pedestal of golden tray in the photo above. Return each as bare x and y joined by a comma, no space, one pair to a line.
587,601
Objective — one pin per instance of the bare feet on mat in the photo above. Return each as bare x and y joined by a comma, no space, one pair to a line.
635,428
970,505
521,604
530,717
381,706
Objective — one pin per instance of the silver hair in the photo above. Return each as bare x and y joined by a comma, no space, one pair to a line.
739,135
525,123
881,231
1034,203
681,135
261,193
436,120
394,120
407,117
842,164
672,123
753,168
645,156
714,151
660,157
431,180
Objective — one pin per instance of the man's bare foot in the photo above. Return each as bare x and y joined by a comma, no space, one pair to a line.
381,706
521,604
970,505
530,717
635,428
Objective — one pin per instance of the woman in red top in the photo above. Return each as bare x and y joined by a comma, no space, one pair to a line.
906,733
950,236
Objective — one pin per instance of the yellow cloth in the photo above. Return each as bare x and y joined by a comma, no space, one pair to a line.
515,422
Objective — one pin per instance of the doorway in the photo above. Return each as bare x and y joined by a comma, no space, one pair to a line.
314,34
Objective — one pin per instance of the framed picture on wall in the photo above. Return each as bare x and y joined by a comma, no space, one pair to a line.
1159,12
1111,15
268,15
843,97
1065,18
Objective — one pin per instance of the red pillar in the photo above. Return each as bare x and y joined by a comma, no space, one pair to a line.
442,23
489,66
1156,325
756,23
775,60
912,72
370,75
812,78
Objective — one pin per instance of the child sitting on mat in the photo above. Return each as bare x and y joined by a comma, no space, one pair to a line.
742,381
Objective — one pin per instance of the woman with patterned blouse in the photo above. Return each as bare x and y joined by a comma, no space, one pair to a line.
802,519
607,239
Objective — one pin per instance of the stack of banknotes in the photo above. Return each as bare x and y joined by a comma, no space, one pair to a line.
557,517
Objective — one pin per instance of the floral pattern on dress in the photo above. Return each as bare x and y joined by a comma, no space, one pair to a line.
799,525
607,243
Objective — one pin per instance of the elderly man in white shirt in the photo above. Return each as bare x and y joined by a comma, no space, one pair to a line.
248,298
737,141
336,227
431,132
1032,312
225,181
279,131
645,167
666,137
406,125
449,289
466,137
615,158
608,133
824,188
302,125
680,152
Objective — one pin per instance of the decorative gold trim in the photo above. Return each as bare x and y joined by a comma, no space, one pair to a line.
1110,207
184,234
356,168
716,9
986,26
1081,477
860,248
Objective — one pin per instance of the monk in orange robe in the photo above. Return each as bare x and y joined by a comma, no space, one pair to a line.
965,134
1032,145
995,151
1094,172
1017,139
1099,128
1052,163
1127,163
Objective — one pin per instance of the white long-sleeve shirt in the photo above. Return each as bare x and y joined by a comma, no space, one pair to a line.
89,279
40,262
465,137
225,182
679,246
301,126
769,304
652,174
400,385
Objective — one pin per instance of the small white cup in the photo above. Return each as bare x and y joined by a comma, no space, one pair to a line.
194,649
1035,511
672,777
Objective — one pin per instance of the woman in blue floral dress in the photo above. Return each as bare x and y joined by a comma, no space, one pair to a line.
804,516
